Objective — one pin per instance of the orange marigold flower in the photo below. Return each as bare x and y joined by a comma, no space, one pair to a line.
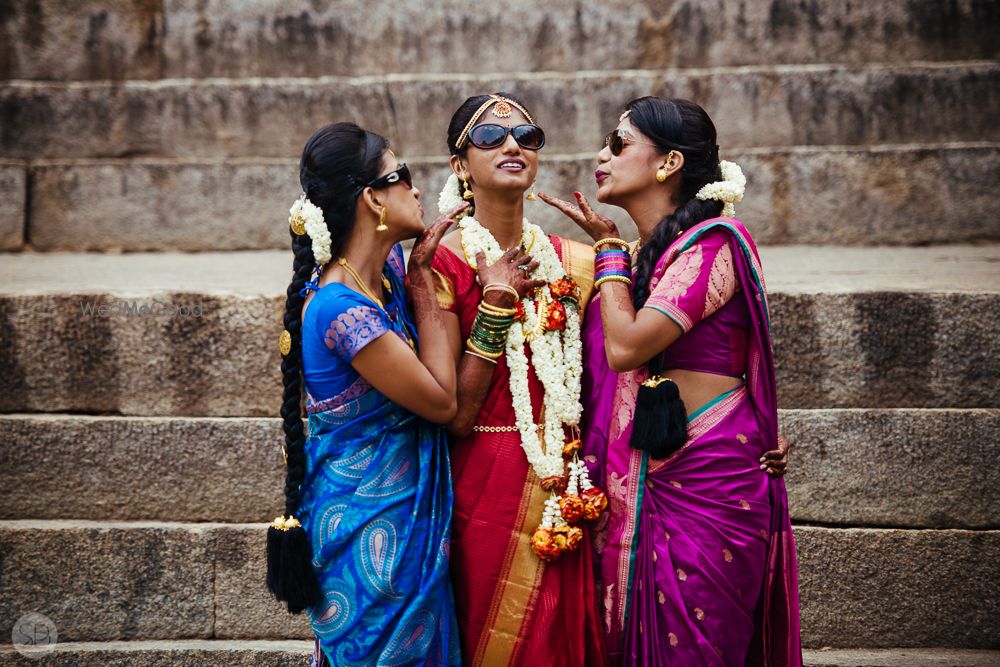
594,502
556,317
564,287
571,448
572,507
543,545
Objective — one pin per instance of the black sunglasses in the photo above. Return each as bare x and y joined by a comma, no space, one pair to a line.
400,174
617,140
490,135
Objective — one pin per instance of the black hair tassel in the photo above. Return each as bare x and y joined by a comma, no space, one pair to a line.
290,575
660,425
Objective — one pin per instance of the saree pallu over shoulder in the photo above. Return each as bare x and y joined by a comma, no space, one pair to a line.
697,562
376,504
513,609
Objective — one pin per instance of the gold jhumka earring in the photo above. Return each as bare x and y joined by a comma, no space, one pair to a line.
381,227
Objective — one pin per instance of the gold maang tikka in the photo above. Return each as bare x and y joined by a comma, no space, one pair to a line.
502,109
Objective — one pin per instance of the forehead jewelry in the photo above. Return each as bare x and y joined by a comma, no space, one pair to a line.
502,109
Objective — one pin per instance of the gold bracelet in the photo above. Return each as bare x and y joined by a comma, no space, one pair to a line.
624,245
612,279
469,345
497,310
502,287
476,354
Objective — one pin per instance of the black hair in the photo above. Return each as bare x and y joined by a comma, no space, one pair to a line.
336,162
660,422
683,126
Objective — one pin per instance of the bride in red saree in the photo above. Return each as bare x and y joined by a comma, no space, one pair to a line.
523,576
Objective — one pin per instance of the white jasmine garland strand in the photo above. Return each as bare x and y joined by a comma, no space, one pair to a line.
729,190
315,227
561,350
449,198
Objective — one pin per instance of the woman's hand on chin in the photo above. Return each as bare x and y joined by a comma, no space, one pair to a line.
594,224
422,255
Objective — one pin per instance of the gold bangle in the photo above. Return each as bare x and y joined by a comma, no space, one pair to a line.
470,346
502,287
476,354
624,245
612,279
497,310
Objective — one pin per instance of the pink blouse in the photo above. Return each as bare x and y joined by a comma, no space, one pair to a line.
696,292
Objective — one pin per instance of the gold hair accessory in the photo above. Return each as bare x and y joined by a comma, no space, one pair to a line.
284,455
504,107
297,222
381,227
283,524
656,381
285,342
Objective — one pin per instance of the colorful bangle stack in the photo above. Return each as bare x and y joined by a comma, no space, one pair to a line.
489,331
613,264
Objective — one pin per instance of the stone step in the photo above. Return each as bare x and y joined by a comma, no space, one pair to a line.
806,195
280,653
784,105
189,653
184,38
13,203
103,581
196,334
848,467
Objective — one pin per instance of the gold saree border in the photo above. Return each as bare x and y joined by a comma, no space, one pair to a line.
578,262
637,472
517,586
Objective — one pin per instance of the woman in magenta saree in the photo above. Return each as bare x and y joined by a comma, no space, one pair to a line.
696,564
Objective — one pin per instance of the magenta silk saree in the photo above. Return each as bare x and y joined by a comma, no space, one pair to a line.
696,562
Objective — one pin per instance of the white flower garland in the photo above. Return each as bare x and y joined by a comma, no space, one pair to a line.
312,218
561,351
450,197
729,190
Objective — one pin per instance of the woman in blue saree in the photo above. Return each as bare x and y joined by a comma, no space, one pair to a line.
363,541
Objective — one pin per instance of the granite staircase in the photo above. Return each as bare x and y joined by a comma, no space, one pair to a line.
147,162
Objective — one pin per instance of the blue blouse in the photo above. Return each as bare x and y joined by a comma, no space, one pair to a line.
338,323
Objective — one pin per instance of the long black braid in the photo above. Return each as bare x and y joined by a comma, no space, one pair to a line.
336,161
660,425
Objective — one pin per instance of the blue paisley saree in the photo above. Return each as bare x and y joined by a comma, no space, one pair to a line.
377,496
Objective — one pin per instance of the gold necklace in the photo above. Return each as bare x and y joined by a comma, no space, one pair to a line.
363,285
